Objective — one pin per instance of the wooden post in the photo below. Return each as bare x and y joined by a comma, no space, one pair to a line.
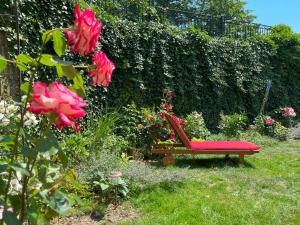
242,160
168,160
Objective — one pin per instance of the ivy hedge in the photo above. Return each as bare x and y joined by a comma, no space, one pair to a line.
207,74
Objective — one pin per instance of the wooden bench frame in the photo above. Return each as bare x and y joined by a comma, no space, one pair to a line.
182,149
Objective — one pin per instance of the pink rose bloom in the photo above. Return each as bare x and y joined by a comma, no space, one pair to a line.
161,114
83,37
168,107
57,98
270,121
101,74
288,112
182,122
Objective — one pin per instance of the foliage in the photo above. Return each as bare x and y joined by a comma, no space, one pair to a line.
280,132
105,186
32,177
232,125
206,74
195,126
134,127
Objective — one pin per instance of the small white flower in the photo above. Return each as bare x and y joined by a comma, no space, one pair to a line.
5,121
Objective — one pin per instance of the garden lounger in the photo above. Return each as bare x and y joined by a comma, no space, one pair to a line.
186,146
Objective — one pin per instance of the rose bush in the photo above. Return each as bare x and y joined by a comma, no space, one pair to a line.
31,182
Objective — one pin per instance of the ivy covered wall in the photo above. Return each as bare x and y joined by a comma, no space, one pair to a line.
206,74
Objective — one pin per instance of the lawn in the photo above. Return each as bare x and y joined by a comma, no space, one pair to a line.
266,190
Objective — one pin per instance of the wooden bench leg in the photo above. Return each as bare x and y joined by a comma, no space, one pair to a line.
168,160
241,160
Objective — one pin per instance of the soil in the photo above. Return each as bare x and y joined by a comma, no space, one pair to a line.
112,215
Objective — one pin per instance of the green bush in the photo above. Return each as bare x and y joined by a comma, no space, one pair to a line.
195,126
134,127
281,132
232,125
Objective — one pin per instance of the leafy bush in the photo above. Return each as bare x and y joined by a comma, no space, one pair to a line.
195,126
281,132
134,127
234,124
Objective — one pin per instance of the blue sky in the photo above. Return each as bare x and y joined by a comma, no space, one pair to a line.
271,12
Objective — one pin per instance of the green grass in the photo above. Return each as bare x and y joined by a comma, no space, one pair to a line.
266,190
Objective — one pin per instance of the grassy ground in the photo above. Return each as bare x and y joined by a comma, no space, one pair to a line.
266,190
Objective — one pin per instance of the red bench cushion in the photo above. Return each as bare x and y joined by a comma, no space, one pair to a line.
223,145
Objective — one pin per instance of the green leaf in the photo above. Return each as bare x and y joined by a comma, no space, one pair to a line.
59,42
2,186
57,201
27,152
26,59
78,85
3,64
18,168
47,36
47,60
49,144
10,218
35,216
104,186
66,70
22,67
25,87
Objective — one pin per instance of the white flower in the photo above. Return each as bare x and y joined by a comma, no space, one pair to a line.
5,121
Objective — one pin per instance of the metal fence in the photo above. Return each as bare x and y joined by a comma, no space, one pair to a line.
213,25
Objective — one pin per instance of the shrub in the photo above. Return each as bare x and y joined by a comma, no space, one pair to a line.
280,132
232,125
195,126
134,127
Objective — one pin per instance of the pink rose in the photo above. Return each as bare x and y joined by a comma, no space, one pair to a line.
83,37
182,122
101,74
57,98
161,114
270,121
168,107
288,112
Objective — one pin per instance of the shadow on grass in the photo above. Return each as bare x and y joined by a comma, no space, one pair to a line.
205,163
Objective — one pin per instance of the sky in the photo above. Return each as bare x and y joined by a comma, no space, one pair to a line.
272,12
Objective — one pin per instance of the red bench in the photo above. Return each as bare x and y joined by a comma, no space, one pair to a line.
186,146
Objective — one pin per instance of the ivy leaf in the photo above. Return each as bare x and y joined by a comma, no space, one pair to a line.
59,43
47,36
47,60
10,218
18,168
57,201
3,64
22,58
